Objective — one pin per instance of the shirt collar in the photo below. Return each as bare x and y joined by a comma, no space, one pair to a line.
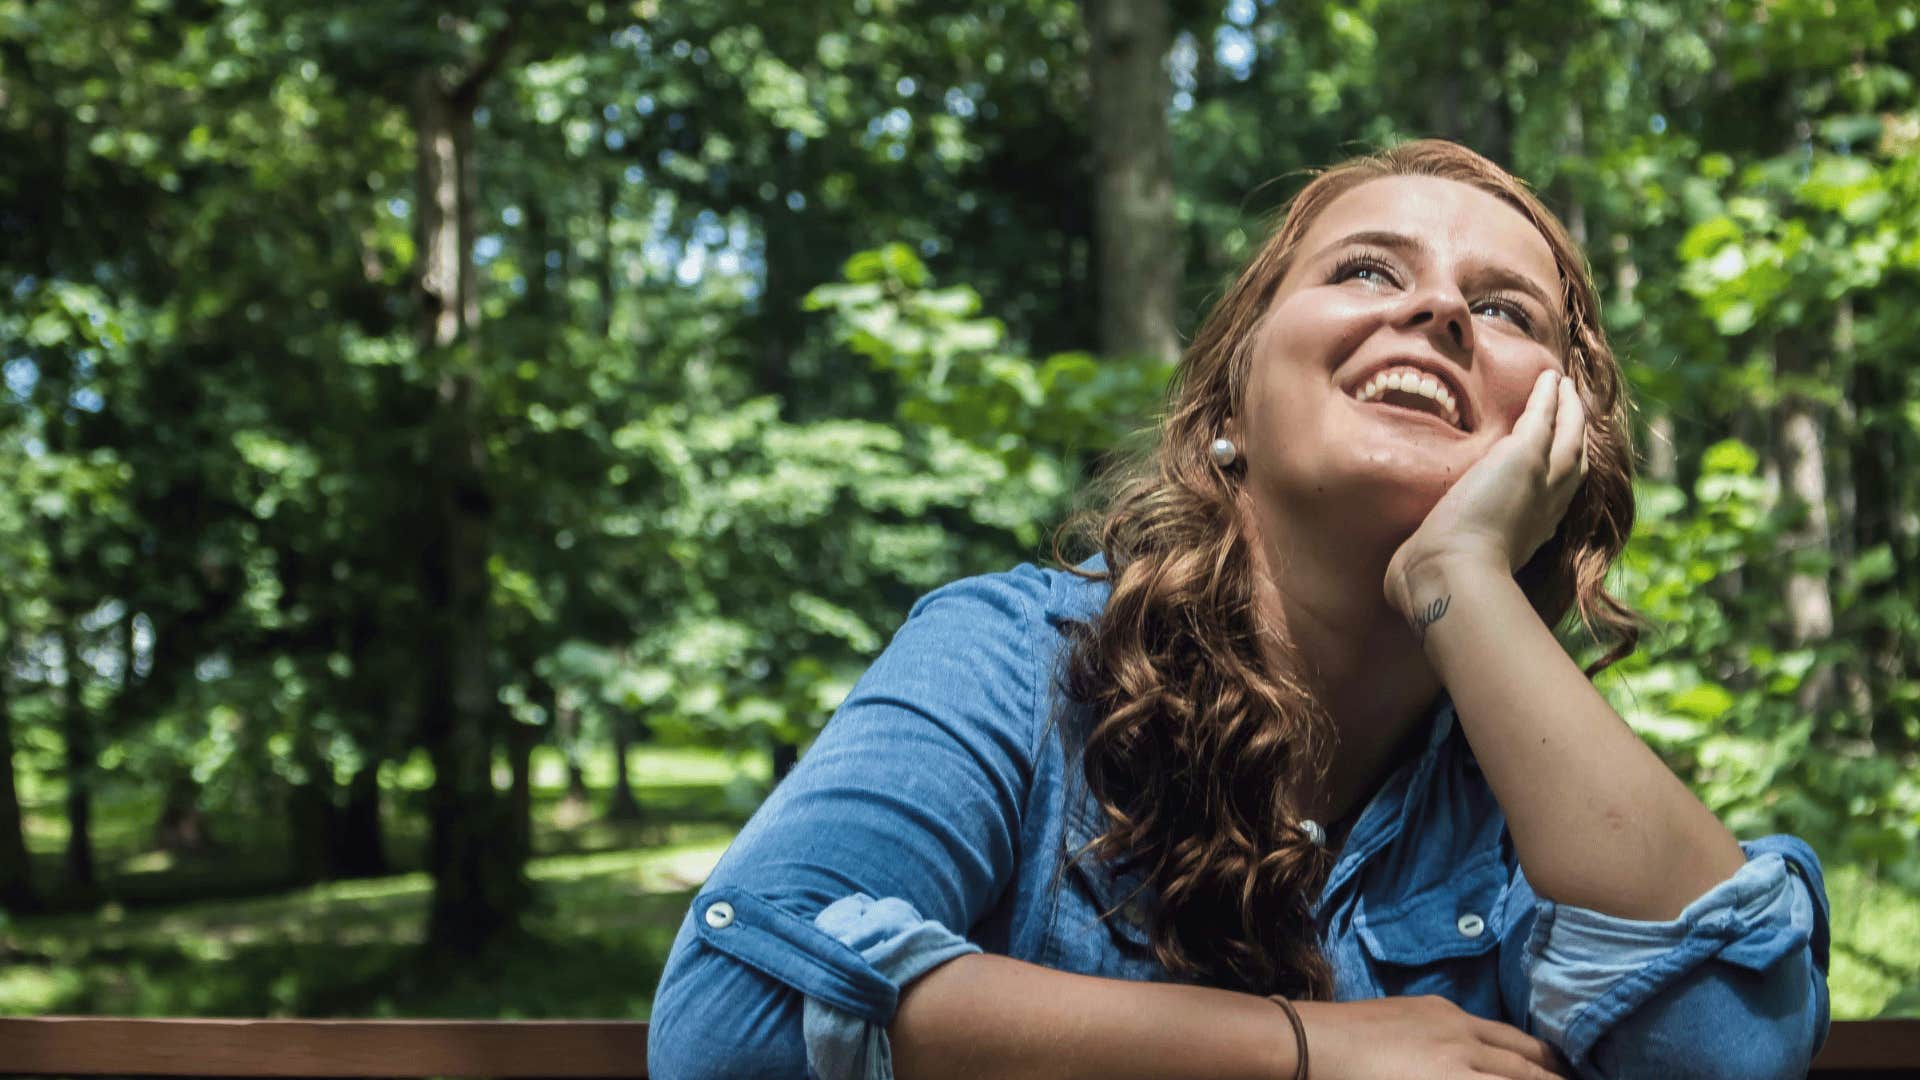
1384,817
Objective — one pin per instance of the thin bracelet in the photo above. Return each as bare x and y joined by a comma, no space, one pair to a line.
1299,1033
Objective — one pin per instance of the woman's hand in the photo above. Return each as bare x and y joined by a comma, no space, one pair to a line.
1418,1038
1510,502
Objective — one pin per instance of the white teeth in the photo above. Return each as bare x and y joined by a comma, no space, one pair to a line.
1412,382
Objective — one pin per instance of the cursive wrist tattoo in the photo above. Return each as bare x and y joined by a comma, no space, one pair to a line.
1429,615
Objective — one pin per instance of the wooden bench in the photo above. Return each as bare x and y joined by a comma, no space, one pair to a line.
111,1046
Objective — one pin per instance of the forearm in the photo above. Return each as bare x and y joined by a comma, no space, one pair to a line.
985,1015
1598,821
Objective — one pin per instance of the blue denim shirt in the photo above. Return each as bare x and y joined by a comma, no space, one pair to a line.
934,816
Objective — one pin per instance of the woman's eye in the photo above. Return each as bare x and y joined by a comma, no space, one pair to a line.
1506,309
1365,270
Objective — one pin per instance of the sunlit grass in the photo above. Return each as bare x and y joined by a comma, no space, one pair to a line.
221,934
610,897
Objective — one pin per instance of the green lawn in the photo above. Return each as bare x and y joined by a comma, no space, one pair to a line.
610,898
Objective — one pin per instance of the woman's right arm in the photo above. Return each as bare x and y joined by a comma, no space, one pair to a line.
831,939
994,1016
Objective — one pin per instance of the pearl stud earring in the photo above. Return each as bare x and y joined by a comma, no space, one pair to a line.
1224,452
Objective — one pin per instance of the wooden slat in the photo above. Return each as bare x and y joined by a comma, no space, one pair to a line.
1888,1046
107,1046
98,1046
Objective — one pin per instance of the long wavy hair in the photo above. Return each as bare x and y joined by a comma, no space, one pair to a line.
1195,747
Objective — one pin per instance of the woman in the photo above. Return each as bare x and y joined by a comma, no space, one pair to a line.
1302,729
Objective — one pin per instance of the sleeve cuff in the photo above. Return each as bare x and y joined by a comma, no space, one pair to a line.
1589,970
898,943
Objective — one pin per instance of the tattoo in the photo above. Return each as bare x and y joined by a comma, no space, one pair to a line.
1430,615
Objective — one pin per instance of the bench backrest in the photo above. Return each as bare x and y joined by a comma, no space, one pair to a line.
111,1046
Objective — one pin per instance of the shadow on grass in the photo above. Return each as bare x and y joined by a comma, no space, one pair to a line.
228,934
593,947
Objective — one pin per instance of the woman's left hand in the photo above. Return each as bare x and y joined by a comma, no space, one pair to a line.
1509,503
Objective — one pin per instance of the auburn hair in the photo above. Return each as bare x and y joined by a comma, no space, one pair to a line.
1194,746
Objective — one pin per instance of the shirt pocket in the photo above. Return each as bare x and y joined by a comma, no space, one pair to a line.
1119,946
1441,940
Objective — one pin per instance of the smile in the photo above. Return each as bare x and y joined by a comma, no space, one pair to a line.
1409,389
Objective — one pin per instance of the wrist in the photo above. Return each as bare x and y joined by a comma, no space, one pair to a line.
1295,1067
1418,580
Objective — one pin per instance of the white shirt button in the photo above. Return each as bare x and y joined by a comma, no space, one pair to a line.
720,915
1470,925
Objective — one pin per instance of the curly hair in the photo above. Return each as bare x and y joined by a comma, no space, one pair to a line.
1194,746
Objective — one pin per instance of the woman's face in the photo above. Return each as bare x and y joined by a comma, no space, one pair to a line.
1401,345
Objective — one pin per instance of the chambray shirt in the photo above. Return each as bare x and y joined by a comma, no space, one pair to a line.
936,814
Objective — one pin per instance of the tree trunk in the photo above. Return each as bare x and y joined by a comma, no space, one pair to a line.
1137,237
621,805
310,825
1867,518
785,757
603,265
1493,134
1801,460
182,827
520,742
17,894
359,851
80,881
479,884
1662,463
564,721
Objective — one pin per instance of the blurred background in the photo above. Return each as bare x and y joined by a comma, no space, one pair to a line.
458,455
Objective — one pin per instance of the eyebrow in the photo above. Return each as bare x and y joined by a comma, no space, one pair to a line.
1413,245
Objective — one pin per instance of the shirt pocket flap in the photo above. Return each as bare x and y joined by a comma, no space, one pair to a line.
1122,898
1454,919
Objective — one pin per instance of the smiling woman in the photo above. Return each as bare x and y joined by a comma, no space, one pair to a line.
1299,730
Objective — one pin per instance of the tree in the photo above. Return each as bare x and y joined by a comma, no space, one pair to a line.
1135,232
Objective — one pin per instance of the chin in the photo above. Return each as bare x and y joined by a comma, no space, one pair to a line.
1380,502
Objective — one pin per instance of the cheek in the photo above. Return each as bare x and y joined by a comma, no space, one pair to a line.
1511,384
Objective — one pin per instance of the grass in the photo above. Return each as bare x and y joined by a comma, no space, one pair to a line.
222,935
593,948
611,896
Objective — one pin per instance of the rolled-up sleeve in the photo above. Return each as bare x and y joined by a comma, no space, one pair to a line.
865,869
1733,987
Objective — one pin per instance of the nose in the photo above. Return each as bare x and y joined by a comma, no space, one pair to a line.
1441,313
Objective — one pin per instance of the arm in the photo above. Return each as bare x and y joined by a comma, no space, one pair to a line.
995,1016
831,936
1655,947
1598,821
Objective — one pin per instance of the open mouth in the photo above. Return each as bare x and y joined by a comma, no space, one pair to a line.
1411,389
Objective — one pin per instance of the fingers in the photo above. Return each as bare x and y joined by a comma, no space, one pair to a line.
1567,458
1512,1040
1509,1066
1502,1062
1536,422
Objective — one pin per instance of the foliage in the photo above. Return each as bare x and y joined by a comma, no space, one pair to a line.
783,319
